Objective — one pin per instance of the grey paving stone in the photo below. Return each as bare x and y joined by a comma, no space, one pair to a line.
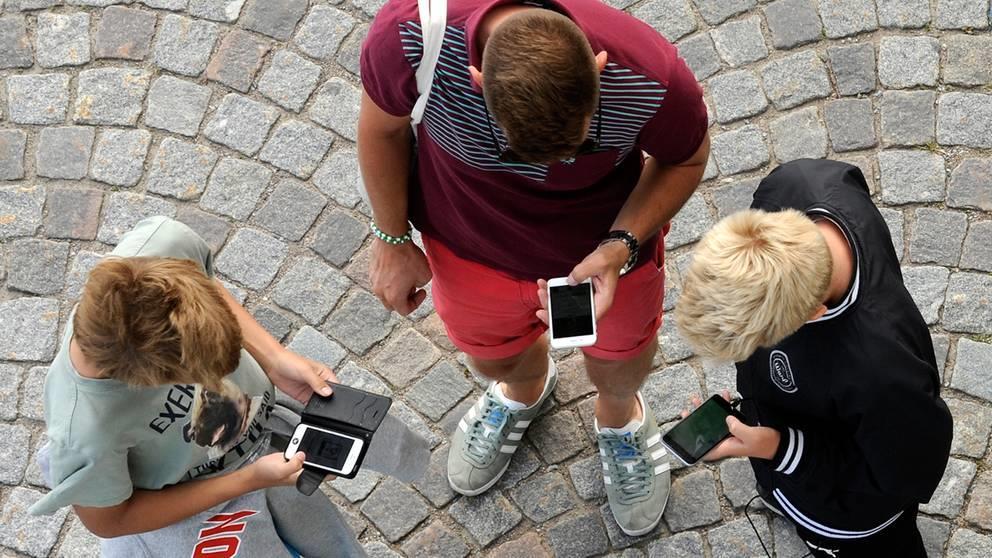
937,236
15,438
972,427
79,271
37,266
339,237
979,510
28,329
394,509
842,18
692,502
435,540
379,550
358,488
312,344
96,3
79,542
485,517
37,98
927,285
350,51
10,380
119,157
543,497
740,150
235,187
853,67
110,96
719,376
174,5
404,357
949,497
216,10
12,145
573,381
797,135
340,178
211,228
971,371
795,79
966,543
64,152
434,484
180,169
672,345
740,42
123,210
336,107
693,220
290,210
977,250
737,479
851,124
966,61
911,176
787,541
908,117
275,18
672,18
680,545
33,400
63,39
25,5
717,11
34,535
279,326
667,392
961,14
124,33
440,390
322,31
311,289
905,62
941,346
737,538
737,95
368,7
296,147
965,119
587,478
969,185
176,105
793,23
360,322
895,221
527,546
15,45
252,258
241,123
183,45
557,436
289,80
578,536
968,308
525,462
903,14
734,196
415,423
237,60
700,55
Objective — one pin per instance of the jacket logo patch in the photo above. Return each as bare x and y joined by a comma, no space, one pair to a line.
781,372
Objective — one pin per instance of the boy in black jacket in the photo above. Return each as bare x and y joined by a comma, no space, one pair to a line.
834,362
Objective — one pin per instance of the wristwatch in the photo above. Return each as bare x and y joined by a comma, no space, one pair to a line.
632,246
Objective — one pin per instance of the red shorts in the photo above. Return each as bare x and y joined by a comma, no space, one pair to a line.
490,315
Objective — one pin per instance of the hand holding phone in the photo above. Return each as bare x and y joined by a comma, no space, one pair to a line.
571,314
700,431
333,452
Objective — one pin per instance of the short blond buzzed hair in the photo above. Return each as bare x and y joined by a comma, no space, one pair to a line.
755,279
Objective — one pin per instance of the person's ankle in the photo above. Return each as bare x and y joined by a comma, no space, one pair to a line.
610,418
527,393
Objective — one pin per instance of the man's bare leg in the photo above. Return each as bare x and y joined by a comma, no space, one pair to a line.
521,376
617,382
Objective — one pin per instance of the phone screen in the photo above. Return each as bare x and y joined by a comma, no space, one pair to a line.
571,310
326,449
699,432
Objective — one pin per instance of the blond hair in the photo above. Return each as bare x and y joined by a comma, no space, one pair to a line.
755,279
156,321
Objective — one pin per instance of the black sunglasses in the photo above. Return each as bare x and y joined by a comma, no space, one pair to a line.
507,155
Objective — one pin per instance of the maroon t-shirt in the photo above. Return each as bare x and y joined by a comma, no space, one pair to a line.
531,221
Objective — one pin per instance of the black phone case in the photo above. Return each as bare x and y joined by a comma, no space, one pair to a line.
349,411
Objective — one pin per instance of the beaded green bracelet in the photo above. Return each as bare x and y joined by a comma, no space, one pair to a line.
388,238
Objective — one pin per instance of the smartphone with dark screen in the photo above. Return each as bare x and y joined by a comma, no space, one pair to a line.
701,431
571,314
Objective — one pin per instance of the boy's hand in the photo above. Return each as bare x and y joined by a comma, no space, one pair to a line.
300,377
274,470
744,441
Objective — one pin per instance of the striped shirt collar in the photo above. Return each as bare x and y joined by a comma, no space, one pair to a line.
852,293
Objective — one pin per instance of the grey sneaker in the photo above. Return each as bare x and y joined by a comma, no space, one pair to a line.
637,474
487,437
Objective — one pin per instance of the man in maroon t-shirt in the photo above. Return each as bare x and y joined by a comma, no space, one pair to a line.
558,140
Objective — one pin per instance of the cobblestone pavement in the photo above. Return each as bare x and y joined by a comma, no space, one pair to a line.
239,118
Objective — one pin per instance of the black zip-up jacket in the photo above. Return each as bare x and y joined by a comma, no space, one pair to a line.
856,394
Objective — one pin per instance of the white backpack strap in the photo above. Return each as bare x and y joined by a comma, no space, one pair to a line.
433,17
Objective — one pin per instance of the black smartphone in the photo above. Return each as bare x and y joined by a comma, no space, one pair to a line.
701,431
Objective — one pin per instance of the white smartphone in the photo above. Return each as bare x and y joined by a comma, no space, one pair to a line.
333,452
571,314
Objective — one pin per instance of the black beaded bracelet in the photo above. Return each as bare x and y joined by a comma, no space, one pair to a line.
388,238
630,241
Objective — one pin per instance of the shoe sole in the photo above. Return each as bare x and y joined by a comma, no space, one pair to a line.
484,487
